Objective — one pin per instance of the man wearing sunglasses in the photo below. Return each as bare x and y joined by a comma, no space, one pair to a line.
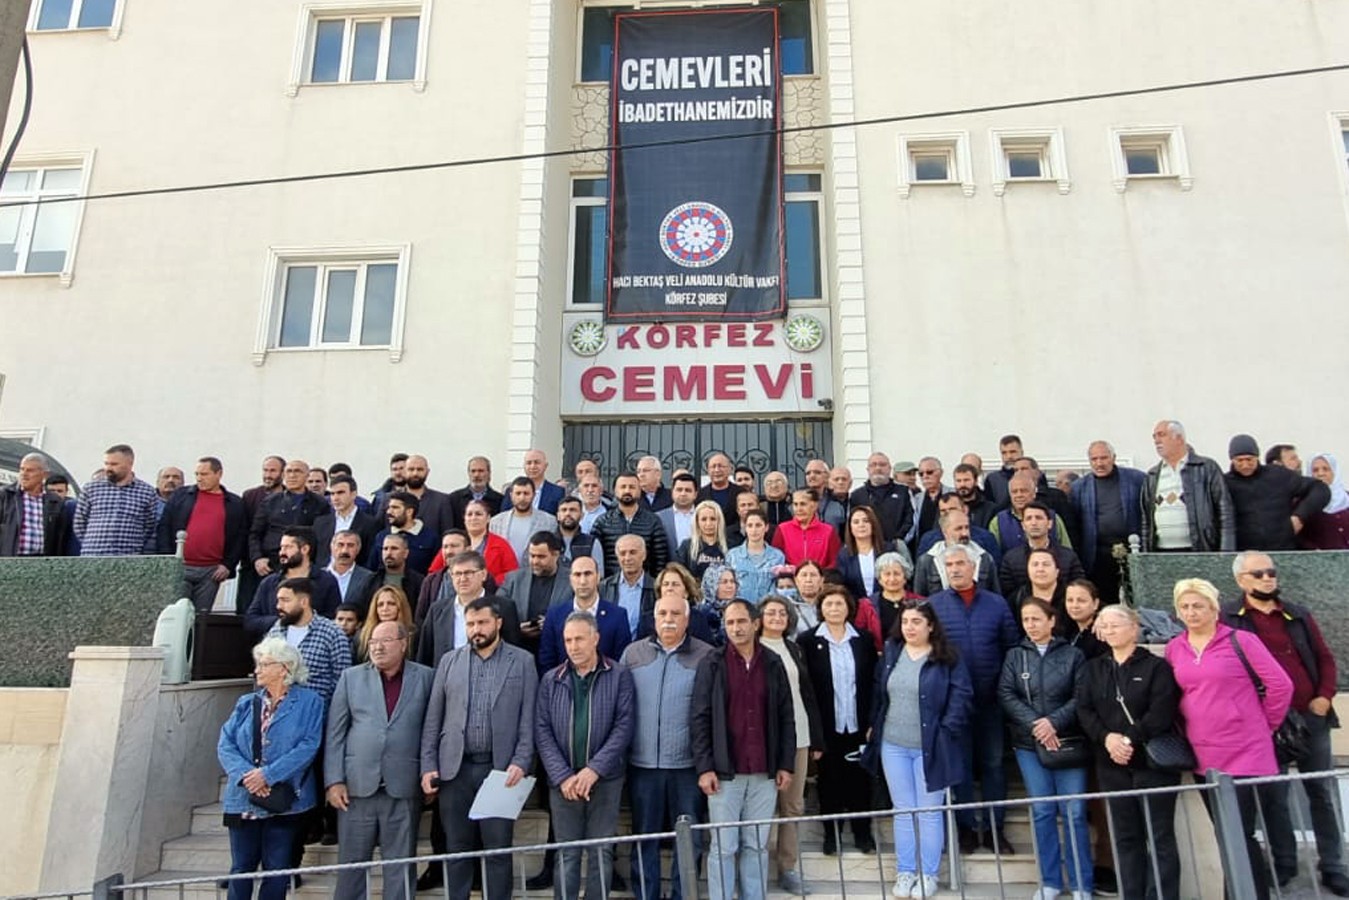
1293,637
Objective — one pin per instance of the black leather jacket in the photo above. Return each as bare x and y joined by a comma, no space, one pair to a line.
1034,687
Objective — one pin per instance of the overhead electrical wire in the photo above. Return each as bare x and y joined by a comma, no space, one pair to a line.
607,148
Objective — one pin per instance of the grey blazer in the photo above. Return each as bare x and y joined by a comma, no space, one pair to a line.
512,712
519,583
666,517
500,525
366,746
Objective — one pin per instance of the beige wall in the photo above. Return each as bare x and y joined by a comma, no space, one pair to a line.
30,739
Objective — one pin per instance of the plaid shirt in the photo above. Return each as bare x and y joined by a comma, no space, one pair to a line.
30,526
115,519
326,653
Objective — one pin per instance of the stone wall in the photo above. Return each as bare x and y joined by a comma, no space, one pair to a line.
48,607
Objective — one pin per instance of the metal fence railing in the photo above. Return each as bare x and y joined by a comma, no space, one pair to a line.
1003,873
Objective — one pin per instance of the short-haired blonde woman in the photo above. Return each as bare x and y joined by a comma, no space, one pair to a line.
287,720
1228,723
1125,698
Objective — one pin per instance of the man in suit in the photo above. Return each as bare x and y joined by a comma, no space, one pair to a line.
655,496
547,495
539,586
372,759
677,518
433,507
345,516
479,487
446,625
612,621
355,583
32,520
521,520
480,718
631,589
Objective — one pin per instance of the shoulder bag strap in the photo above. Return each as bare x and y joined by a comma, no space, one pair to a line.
1119,697
1241,655
257,730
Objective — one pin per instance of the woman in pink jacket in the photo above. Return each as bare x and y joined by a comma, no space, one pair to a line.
1227,723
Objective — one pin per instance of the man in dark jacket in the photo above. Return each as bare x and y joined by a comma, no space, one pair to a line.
1185,503
979,625
32,519
1107,503
293,507
217,532
977,504
887,497
1012,571
630,517
479,487
1271,502
744,760
583,724
997,481
1293,637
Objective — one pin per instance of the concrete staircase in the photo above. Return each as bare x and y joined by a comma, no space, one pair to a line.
205,852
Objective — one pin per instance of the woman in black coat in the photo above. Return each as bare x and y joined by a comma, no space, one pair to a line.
1125,698
841,662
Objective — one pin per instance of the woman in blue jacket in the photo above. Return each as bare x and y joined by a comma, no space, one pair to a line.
920,711
290,719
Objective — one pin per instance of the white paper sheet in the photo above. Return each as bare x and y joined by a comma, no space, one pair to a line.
496,801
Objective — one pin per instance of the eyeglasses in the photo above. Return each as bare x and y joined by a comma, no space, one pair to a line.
465,574
1263,573
927,471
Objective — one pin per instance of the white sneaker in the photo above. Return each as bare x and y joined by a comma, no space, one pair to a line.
924,887
904,885
1045,893
1081,895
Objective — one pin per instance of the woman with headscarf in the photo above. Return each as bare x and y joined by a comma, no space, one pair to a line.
1328,530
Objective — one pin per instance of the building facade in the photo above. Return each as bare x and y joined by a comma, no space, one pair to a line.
977,241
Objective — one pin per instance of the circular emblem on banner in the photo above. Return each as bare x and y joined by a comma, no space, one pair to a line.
803,333
696,234
587,337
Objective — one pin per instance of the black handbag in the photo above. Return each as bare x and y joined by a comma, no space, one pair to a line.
1167,752
1291,739
1073,752
281,797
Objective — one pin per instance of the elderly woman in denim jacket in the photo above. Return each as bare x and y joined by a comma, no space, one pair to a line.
290,718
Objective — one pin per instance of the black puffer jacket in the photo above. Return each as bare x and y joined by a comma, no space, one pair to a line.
1034,687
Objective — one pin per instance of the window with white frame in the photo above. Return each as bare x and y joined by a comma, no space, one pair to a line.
1028,155
596,59
66,15
935,159
1147,153
40,217
589,240
803,199
1340,125
361,43
335,299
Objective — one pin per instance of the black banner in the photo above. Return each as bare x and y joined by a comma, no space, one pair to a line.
695,229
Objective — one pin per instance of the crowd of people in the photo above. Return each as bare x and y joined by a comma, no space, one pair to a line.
709,642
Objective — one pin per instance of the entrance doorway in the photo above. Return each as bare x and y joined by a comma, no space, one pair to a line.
783,444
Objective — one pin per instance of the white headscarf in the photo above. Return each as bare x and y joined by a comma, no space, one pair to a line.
1339,494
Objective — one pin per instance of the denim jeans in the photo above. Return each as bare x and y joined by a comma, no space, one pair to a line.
659,797
1076,848
738,855
983,757
266,842
908,790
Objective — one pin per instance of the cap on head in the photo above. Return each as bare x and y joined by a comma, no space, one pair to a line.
1242,445
906,465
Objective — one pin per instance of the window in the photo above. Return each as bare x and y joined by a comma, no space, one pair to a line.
803,202
935,159
1339,127
335,299
590,236
589,239
1028,155
1139,154
795,48
38,237
64,15
380,40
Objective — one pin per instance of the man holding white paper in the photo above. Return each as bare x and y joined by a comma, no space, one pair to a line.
583,725
480,718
